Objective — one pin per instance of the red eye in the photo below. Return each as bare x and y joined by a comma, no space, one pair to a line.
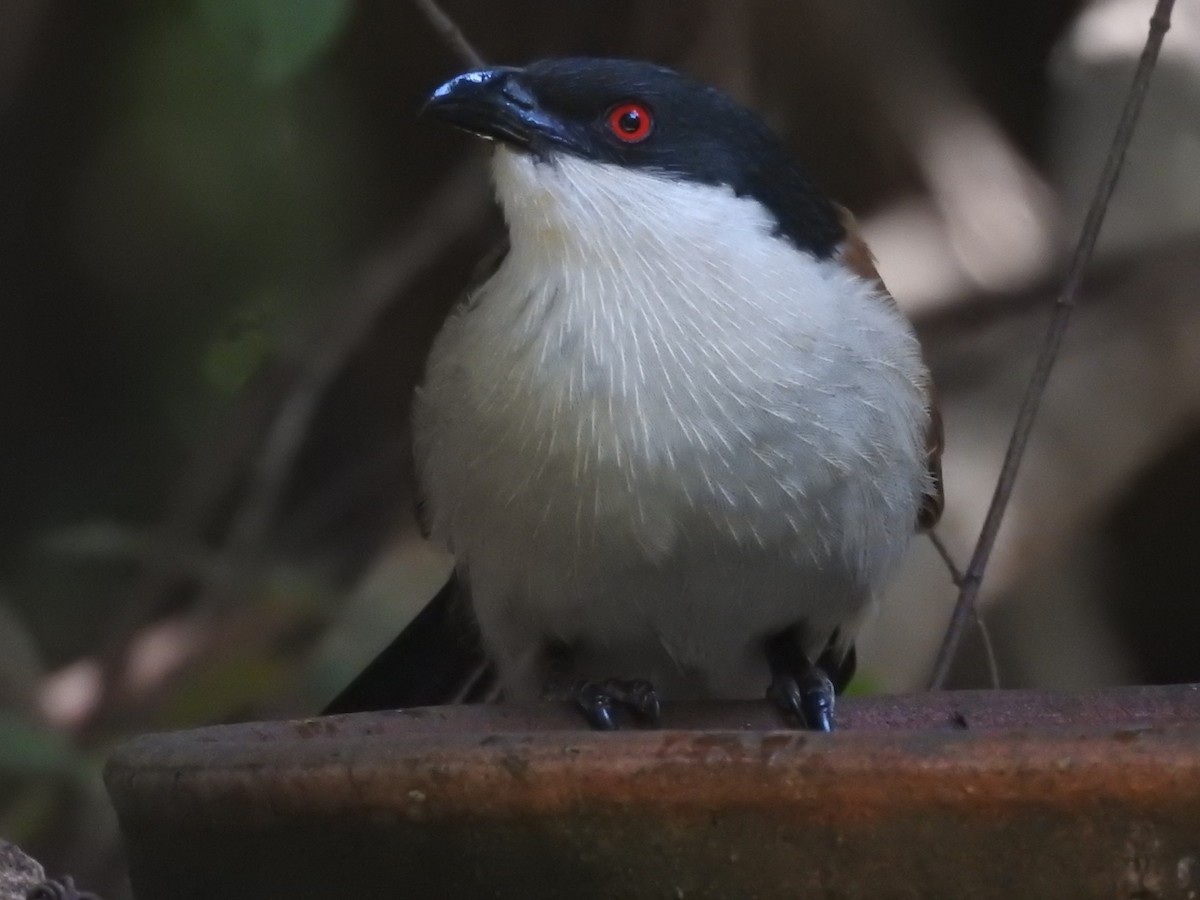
631,122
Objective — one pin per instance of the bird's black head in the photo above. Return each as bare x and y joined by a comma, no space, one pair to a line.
639,115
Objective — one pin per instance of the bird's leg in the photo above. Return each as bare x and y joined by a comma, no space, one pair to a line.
599,700
801,688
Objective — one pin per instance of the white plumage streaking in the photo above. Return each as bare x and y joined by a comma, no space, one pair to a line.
661,434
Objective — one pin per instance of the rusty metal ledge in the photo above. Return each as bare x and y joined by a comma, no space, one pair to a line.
963,795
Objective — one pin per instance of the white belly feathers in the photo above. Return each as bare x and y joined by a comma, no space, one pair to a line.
674,459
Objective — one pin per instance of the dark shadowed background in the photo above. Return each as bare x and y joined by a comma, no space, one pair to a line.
226,241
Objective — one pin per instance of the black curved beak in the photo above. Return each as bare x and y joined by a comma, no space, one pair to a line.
494,104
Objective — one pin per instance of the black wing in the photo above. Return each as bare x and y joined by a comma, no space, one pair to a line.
436,660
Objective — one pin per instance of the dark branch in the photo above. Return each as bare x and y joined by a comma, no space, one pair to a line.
1064,305
956,576
449,32
451,213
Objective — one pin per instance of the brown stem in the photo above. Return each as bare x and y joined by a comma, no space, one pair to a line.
1064,305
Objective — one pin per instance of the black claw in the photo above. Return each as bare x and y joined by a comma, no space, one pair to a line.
816,701
598,701
785,694
810,701
639,695
596,705
802,690
650,709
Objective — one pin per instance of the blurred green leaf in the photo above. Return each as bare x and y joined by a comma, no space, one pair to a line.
246,341
98,540
28,749
862,685
231,360
213,692
32,809
282,37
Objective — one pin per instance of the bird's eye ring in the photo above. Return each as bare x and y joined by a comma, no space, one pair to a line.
630,122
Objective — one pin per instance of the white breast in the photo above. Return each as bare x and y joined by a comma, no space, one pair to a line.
662,430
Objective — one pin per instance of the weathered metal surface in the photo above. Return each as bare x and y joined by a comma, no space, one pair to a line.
962,795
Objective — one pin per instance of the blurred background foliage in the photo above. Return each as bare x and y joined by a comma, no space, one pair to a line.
226,240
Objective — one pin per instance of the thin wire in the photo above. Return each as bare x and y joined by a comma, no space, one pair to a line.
1160,22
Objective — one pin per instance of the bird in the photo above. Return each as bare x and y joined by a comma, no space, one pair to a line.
680,438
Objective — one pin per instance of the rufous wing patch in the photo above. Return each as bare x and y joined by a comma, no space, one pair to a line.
857,257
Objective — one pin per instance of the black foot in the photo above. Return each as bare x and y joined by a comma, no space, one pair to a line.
809,699
802,689
598,701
